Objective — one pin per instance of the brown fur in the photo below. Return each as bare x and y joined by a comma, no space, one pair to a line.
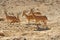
39,18
12,19
29,17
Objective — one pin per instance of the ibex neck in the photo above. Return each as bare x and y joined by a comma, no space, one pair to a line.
25,14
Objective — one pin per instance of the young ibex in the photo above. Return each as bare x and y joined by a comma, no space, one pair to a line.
12,19
29,17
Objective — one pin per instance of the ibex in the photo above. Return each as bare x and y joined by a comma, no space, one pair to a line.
39,18
16,20
29,17
12,19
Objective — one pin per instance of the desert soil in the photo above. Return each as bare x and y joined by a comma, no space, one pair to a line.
21,31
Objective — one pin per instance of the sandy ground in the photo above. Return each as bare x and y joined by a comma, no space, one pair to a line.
16,31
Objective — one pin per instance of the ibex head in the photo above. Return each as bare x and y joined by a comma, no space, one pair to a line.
24,12
32,10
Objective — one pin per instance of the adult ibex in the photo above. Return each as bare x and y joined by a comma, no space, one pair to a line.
11,19
29,17
39,18
16,20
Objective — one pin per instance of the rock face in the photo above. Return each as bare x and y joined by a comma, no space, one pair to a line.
22,31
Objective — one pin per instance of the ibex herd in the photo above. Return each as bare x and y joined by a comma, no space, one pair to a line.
31,16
